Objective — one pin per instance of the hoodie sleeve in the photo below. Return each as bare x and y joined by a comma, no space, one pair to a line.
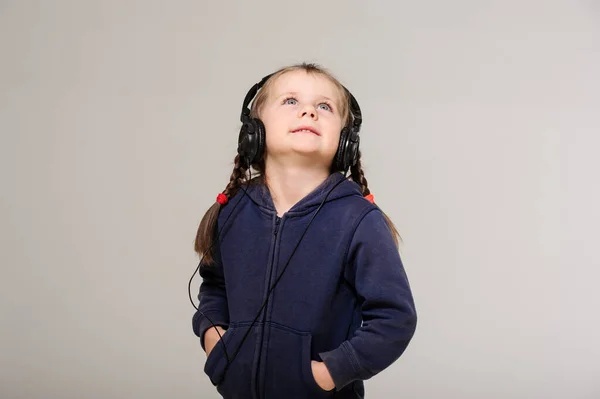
388,312
212,297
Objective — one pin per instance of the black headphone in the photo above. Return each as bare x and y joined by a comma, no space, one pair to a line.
251,140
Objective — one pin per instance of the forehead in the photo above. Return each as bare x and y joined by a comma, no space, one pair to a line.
310,84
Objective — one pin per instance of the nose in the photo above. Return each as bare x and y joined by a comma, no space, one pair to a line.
310,111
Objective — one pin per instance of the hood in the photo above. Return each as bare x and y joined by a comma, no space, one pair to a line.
260,194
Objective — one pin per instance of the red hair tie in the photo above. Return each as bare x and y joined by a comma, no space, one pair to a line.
370,198
222,199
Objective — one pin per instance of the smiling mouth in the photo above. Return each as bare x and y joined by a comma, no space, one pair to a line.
306,129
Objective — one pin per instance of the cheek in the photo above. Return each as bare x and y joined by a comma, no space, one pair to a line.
272,126
333,138
275,122
274,133
333,143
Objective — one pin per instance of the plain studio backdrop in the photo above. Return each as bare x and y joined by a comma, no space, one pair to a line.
119,122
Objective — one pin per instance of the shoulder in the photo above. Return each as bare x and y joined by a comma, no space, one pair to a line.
252,193
368,222
354,203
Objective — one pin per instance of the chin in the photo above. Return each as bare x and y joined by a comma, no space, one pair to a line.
307,149
309,144
316,156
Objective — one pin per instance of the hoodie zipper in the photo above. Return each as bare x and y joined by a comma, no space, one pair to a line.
258,369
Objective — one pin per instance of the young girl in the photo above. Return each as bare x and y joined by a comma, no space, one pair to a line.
303,292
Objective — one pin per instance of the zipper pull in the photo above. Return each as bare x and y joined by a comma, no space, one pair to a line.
277,220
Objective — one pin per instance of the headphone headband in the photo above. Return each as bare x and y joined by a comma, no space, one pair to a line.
250,96
354,111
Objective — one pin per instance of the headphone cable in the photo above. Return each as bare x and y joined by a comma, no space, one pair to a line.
199,264
229,361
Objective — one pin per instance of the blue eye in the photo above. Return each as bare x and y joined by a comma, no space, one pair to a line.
292,101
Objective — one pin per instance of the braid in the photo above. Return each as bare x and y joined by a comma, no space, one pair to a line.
358,175
205,237
238,176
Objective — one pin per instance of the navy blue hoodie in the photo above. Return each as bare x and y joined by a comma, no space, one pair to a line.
344,299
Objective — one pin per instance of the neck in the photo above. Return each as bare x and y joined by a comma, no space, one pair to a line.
288,184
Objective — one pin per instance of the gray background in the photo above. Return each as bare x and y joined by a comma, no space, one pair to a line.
119,122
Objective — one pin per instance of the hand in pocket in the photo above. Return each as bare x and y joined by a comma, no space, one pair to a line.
322,376
211,338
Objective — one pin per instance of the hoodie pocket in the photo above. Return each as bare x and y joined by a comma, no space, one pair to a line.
233,380
288,366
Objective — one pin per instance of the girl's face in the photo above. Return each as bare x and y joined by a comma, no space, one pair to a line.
301,116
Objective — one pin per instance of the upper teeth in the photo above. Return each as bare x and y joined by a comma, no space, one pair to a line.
304,130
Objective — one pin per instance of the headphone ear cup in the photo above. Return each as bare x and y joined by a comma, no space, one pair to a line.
260,141
244,144
251,142
347,153
338,160
351,153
